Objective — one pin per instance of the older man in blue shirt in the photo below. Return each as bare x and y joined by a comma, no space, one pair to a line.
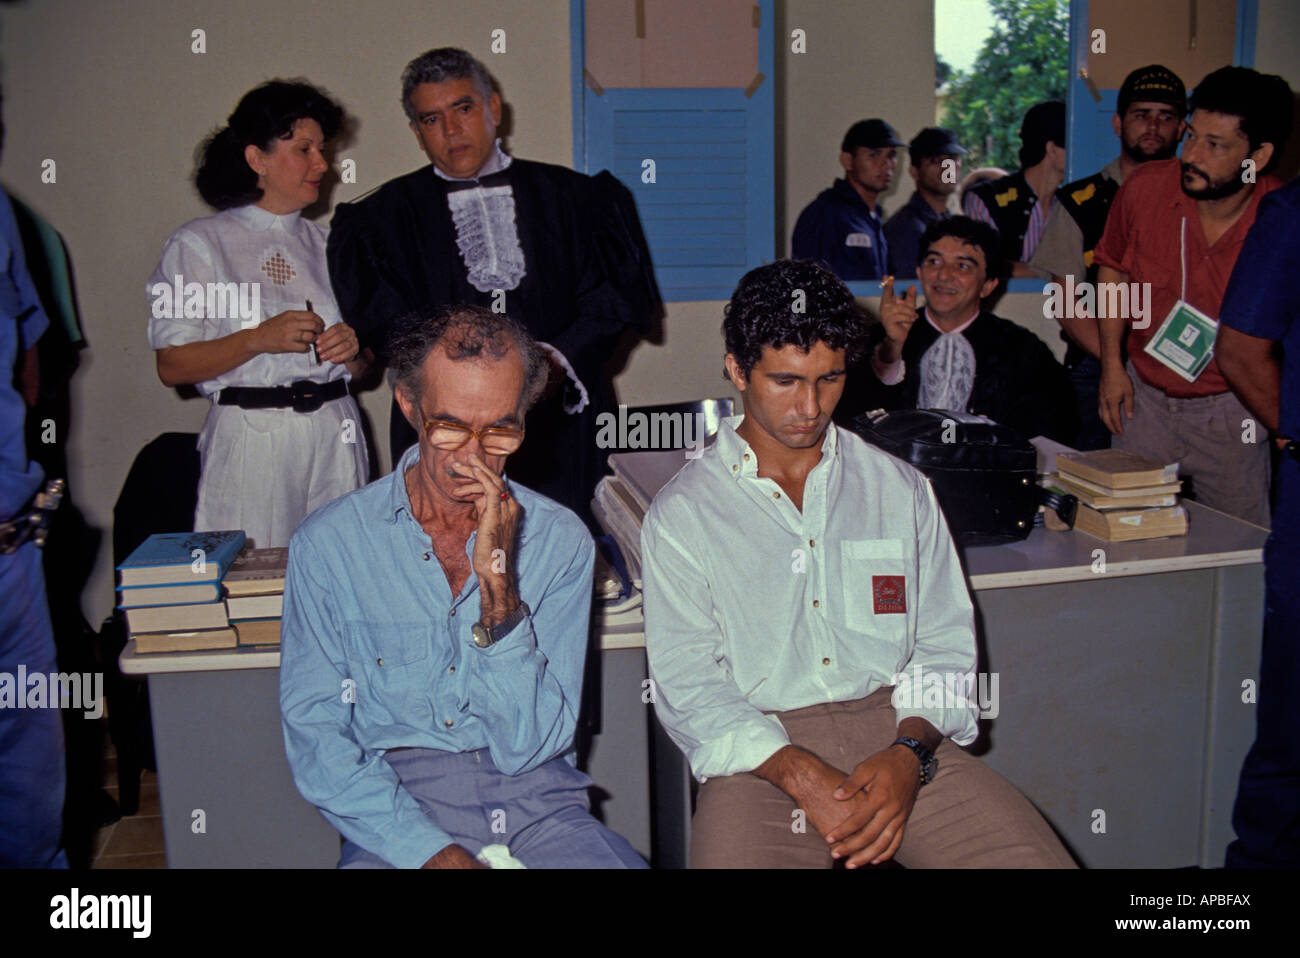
423,735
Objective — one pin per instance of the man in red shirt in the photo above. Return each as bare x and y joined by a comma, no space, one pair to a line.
1179,224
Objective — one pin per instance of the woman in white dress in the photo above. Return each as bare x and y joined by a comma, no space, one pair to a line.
241,306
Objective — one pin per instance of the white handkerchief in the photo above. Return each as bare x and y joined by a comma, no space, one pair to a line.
498,856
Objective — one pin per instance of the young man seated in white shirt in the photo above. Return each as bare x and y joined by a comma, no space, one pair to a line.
792,572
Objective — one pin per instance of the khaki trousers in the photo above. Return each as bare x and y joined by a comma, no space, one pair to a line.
968,817
1205,436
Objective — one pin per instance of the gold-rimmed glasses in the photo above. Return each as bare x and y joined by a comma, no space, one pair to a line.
495,440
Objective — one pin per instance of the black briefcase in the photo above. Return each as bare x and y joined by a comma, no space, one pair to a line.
983,474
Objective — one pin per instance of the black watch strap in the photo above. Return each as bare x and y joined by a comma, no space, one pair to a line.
929,764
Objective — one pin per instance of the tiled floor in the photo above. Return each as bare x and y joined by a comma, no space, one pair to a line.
134,841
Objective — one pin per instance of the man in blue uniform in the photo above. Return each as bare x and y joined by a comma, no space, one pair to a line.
936,168
1261,311
31,739
843,228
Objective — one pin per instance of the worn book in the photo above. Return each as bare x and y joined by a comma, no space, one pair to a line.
141,596
1116,468
1126,525
257,631
177,618
255,606
195,641
1125,499
257,571
181,557
1164,488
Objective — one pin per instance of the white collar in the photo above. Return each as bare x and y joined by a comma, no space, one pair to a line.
256,218
739,456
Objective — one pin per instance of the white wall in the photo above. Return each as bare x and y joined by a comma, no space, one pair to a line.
113,94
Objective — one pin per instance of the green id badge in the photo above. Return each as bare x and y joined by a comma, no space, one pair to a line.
1185,341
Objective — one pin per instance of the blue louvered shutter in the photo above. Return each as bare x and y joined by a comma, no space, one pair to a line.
708,215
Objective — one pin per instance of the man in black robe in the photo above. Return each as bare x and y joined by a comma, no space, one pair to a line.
560,251
952,353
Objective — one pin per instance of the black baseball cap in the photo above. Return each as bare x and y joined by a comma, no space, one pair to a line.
934,141
871,134
1153,84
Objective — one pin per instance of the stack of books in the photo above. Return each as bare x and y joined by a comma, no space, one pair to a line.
1122,496
254,590
170,591
621,500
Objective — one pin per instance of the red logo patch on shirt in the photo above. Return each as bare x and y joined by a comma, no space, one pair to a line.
888,594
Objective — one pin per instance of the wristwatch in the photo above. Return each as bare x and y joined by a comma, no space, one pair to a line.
485,635
929,764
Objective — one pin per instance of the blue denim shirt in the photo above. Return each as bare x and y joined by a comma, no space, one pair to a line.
376,654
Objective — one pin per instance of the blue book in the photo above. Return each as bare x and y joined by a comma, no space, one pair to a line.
172,558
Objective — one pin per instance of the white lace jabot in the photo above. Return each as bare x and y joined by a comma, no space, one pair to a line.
486,230
947,373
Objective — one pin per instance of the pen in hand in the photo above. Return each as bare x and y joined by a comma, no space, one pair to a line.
315,356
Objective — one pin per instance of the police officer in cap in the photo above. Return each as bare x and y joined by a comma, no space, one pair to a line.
936,168
843,228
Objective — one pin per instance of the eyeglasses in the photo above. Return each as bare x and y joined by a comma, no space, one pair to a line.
495,440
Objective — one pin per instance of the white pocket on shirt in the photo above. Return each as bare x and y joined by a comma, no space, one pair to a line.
877,589
859,239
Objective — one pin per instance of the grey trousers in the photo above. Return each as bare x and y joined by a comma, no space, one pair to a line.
968,817
543,816
1206,436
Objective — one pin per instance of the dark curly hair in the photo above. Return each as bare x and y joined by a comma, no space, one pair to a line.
972,233
766,310
464,332
264,114
1260,101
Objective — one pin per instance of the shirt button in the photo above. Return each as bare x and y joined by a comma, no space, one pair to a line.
451,669
776,495
453,612
811,543
747,457
379,661
826,661
449,723
425,557
735,468
816,604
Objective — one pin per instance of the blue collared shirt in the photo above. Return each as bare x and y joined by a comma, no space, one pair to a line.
22,321
376,653
840,231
